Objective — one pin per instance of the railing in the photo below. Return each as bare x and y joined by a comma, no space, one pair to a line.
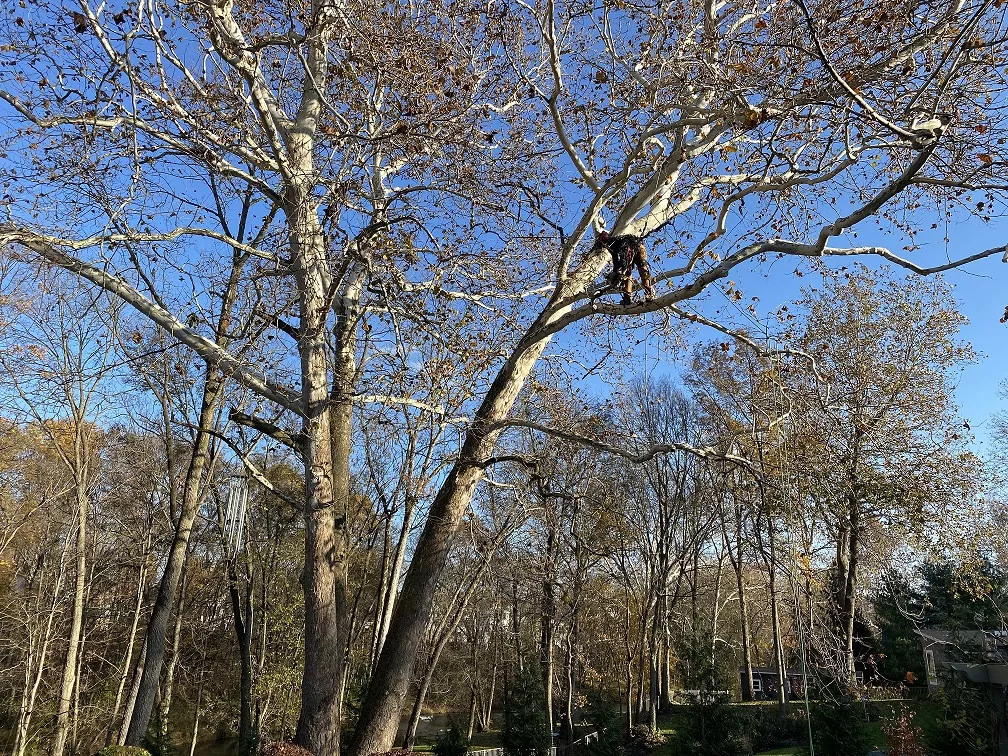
553,751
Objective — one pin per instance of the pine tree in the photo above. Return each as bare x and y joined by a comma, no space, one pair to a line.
526,727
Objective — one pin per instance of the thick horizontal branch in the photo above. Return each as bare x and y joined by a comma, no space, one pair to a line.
631,455
252,468
565,314
267,428
909,264
402,401
533,466
52,251
90,242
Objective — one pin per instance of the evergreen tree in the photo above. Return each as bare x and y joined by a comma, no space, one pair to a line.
895,607
608,723
451,742
526,727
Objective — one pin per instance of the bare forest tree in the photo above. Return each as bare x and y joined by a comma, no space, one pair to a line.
289,190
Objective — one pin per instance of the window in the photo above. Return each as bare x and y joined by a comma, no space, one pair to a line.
929,664
859,676
757,684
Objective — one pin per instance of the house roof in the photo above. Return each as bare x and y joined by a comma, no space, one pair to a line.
772,671
941,635
995,674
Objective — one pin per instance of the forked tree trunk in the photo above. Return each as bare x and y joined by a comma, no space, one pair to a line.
33,676
444,633
472,710
134,692
392,584
486,711
383,576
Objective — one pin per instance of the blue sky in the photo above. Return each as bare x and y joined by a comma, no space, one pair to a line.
980,288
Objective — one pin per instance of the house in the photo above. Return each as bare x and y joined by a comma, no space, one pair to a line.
765,683
946,651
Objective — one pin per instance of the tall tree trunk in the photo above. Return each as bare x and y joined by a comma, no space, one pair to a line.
629,665
75,746
134,693
850,590
666,663
168,685
840,588
572,639
154,643
196,718
642,656
326,445
383,577
748,692
487,712
192,494
131,643
392,585
444,633
472,709
775,621
77,621
548,608
653,664
243,626
29,695
389,684
516,622
716,613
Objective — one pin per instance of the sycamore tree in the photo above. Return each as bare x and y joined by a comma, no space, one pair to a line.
363,179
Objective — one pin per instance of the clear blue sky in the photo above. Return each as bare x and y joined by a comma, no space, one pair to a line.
980,288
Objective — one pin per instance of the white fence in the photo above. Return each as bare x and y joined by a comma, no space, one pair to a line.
553,751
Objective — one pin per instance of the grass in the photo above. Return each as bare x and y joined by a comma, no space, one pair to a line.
926,715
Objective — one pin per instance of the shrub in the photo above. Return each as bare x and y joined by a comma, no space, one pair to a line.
451,742
159,741
283,749
526,728
766,729
711,726
608,723
965,724
643,739
903,735
838,728
122,750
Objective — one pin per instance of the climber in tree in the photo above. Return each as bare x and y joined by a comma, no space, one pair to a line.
626,252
